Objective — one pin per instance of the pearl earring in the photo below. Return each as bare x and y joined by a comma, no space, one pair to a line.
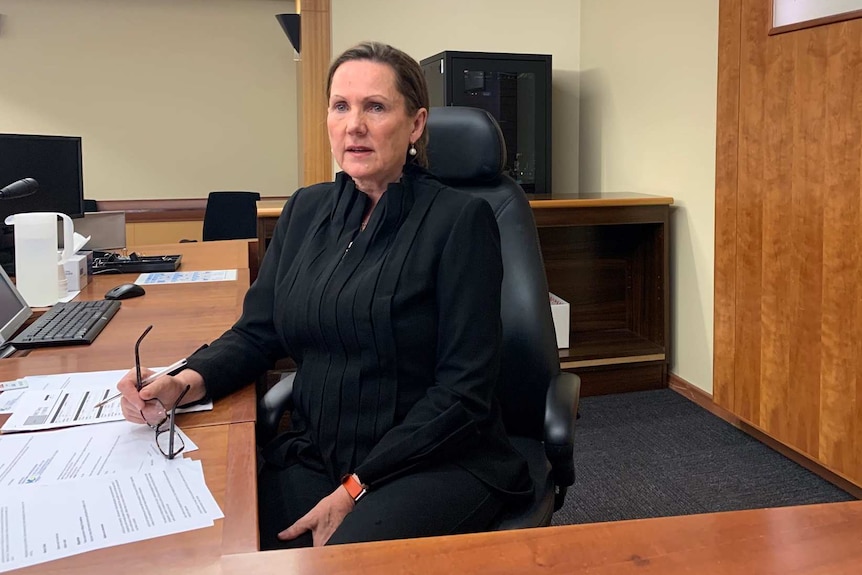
412,151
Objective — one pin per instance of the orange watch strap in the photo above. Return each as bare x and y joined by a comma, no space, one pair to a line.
354,486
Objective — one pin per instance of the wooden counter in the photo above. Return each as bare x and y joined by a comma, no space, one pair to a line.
805,540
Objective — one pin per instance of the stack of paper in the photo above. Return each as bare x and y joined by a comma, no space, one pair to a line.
46,522
67,491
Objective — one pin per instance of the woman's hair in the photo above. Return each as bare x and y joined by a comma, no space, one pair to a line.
409,81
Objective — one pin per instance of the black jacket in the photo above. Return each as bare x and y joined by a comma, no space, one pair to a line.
395,331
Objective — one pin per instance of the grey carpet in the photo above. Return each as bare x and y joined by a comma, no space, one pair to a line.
656,453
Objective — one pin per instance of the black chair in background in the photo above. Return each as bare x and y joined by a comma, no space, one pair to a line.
91,206
230,216
539,401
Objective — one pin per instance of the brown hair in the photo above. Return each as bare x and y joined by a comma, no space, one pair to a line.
409,81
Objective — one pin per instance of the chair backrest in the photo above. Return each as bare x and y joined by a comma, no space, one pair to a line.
230,216
467,151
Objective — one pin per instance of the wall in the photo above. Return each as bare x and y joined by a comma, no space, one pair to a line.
648,124
424,29
788,322
173,98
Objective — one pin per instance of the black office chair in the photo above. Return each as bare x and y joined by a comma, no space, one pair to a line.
230,216
539,402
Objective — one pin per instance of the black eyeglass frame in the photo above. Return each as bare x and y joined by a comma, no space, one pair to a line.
159,429
169,415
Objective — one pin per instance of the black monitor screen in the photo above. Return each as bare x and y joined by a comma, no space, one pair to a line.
54,162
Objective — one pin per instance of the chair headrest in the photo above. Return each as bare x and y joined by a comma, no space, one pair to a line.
464,144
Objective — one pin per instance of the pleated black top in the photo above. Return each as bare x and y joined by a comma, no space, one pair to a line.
395,330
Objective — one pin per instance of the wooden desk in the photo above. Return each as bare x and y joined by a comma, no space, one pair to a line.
184,317
228,254
815,539
229,465
607,255
224,254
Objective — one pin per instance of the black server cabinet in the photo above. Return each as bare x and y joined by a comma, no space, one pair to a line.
516,90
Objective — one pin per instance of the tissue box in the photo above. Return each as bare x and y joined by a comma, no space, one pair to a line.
76,272
560,313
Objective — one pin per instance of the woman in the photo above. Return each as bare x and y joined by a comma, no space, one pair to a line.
384,287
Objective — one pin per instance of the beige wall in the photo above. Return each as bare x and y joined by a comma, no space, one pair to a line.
648,97
173,98
633,110
423,29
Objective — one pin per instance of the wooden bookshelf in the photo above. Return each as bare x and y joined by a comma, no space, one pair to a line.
607,255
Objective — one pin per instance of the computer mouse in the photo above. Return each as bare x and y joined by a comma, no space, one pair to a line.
125,291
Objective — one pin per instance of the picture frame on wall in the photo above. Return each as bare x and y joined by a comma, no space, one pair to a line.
789,15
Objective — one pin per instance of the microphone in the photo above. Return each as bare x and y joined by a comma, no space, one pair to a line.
19,189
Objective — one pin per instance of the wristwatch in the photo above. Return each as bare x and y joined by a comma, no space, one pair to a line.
353,486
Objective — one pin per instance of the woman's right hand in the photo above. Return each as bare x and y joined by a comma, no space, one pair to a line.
166,389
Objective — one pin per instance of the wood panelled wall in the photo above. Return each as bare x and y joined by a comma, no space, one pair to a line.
316,31
788,291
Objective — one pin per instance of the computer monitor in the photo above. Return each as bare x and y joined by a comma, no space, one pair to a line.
14,311
106,230
53,161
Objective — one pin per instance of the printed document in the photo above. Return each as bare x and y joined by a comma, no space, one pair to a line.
63,400
41,523
79,452
186,277
9,398
53,408
12,393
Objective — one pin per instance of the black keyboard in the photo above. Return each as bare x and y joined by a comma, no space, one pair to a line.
71,323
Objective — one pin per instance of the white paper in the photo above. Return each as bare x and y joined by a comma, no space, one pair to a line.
12,391
14,384
41,523
53,408
186,277
8,399
78,242
80,452
66,399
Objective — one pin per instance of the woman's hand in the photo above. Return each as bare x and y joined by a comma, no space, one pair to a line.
166,388
323,519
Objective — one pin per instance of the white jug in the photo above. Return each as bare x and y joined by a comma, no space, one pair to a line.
36,255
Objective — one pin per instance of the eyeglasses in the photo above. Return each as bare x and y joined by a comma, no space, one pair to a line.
157,416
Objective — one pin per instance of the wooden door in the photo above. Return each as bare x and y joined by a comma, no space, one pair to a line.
788,262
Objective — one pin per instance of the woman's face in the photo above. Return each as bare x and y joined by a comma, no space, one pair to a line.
369,128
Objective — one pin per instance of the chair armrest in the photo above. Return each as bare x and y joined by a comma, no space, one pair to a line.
561,408
561,405
272,406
